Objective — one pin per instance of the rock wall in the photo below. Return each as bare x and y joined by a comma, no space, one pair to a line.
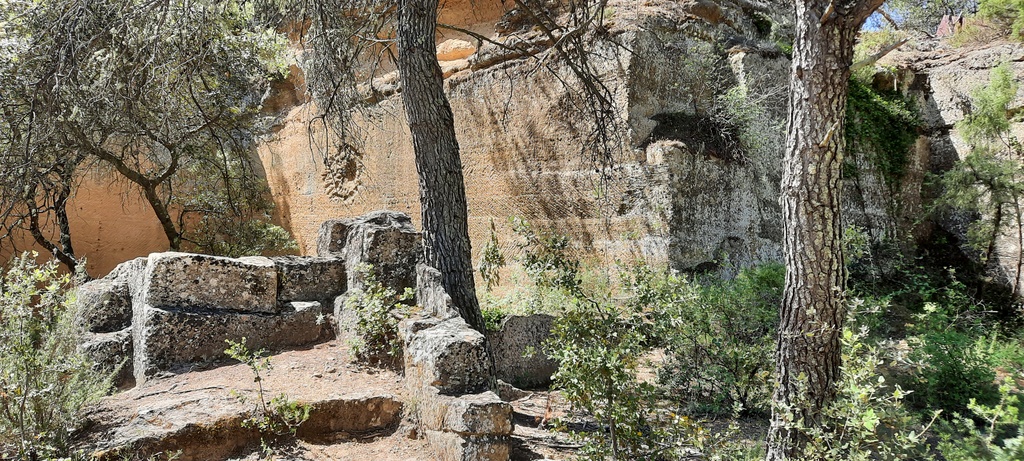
521,139
941,79
678,193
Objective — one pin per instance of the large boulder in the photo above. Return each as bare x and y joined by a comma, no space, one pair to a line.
386,240
168,339
191,282
517,348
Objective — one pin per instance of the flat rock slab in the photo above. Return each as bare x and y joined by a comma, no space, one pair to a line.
195,413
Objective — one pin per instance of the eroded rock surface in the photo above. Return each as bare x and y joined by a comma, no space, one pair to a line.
198,415
385,240
309,278
175,339
518,348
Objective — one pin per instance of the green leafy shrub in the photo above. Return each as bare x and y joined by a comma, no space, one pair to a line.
867,420
720,337
491,261
883,127
44,380
378,310
600,344
999,437
989,182
493,318
1008,14
953,372
546,257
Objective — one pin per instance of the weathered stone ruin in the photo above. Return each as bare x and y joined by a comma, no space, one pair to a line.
171,313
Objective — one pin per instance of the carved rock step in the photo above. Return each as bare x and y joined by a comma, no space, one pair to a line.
195,413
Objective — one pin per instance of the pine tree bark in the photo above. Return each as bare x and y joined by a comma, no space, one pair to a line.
808,351
442,189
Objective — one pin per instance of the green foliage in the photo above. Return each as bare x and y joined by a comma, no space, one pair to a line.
163,95
882,126
989,182
999,437
1007,13
747,111
378,310
867,420
491,261
924,16
953,372
247,237
987,122
546,257
44,380
274,418
720,337
493,318
600,344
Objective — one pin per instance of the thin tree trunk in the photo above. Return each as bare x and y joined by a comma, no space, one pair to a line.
36,230
442,190
808,351
148,185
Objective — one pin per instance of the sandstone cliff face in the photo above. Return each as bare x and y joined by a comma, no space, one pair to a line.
679,193
669,198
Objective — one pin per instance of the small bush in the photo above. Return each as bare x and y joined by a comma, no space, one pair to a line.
276,418
883,127
600,344
491,261
44,380
378,311
867,420
720,337
953,372
493,318
1007,14
999,437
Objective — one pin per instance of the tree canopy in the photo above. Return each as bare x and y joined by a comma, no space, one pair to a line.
165,94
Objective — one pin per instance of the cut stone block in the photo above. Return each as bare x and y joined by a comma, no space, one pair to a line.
309,278
430,293
184,281
467,415
105,305
369,413
384,239
449,356
448,446
111,352
518,350
167,339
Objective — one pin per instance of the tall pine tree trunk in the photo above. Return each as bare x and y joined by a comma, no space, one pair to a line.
808,353
442,189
